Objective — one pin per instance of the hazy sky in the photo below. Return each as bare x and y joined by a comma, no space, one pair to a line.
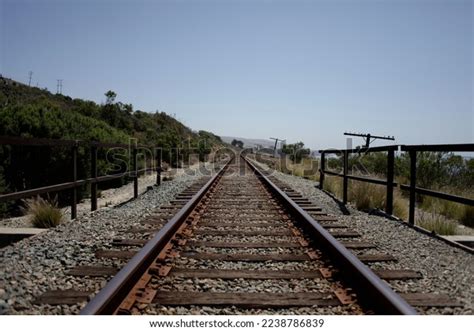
301,70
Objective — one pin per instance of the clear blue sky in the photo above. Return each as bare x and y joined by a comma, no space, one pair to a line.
301,70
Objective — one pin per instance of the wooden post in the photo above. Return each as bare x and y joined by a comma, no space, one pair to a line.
135,170
321,170
345,179
390,176
93,176
411,215
74,179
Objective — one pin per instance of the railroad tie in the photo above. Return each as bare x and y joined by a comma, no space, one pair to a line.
246,300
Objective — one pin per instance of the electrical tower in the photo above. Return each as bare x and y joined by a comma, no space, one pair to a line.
30,74
368,137
59,86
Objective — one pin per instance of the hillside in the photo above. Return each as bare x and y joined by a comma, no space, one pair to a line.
36,113
33,112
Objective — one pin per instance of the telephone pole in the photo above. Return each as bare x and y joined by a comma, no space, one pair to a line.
276,142
368,137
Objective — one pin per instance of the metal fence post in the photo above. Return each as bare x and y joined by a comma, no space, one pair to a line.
321,170
411,215
93,176
158,166
390,177
345,179
135,171
74,179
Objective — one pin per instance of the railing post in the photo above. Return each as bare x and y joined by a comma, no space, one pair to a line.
93,176
345,179
321,170
390,177
158,166
74,179
135,170
411,215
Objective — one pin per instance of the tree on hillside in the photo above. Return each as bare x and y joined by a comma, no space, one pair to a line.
237,143
296,152
110,95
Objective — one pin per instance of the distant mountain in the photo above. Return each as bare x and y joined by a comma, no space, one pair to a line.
267,143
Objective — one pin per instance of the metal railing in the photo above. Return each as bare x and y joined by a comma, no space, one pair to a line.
413,150
94,179
389,182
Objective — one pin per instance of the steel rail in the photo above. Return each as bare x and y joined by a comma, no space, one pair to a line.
108,300
371,290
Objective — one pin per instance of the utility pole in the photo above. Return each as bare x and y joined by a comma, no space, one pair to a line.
368,137
276,142
30,74
59,86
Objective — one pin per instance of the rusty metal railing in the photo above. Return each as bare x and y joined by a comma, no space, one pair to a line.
75,183
389,182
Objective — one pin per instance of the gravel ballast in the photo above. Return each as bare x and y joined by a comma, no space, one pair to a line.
446,269
38,264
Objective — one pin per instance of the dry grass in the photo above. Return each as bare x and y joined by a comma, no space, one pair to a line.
400,205
433,221
43,213
449,209
307,168
333,185
366,196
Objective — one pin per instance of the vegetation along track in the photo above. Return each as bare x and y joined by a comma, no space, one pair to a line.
242,242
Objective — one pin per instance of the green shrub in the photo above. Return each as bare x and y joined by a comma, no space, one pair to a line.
43,213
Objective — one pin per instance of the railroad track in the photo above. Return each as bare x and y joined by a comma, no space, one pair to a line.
242,239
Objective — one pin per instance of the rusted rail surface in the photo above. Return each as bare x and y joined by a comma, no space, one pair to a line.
109,298
129,286
356,273
262,242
